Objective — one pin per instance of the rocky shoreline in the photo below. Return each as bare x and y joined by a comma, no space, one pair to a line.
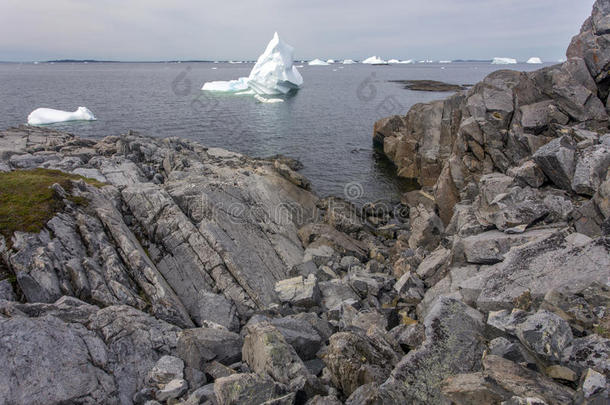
174,273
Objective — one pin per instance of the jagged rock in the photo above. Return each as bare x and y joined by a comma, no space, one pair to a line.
591,351
591,169
319,400
6,291
246,389
267,352
514,352
168,368
410,288
490,247
602,197
354,359
426,228
559,372
318,235
542,265
578,308
410,336
200,345
171,390
507,320
299,332
557,161
218,309
454,344
502,380
299,291
434,266
546,334
593,384
373,394
528,173
70,363
336,291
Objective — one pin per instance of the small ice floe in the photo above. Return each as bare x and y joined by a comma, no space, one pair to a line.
268,100
348,61
503,61
330,61
41,116
534,60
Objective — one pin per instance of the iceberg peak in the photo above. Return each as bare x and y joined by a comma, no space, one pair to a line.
534,60
273,73
503,61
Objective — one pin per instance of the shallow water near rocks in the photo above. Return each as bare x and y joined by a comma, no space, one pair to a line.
327,125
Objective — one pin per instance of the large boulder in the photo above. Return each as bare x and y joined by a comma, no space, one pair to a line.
454,344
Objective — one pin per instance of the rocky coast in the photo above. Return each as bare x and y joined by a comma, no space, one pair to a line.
141,270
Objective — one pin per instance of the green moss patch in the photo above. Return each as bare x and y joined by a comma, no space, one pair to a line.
27,201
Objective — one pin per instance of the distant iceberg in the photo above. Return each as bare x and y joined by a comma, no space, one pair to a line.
534,60
41,116
393,61
348,62
317,62
406,62
374,60
445,61
504,61
330,61
273,73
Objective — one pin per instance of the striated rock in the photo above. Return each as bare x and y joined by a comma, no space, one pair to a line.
246,389
267,352
544,264
171,390
503,380
591,169
218,309
200,345
546,334
168,368
426,228
453,345
70,363
353,360
336,291
299,291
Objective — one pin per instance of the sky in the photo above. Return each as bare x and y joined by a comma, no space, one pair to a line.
141,30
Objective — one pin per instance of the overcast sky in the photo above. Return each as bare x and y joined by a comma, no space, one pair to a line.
229,29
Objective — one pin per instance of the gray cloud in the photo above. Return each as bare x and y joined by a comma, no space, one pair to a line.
191,29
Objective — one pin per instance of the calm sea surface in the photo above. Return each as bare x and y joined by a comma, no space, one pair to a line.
327,125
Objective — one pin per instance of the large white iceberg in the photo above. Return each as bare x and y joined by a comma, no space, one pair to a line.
41,116
374,60
317,62
503,61
348,62
534,60
330,61
393,61
273,73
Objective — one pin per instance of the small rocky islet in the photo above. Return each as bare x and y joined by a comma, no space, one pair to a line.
166,272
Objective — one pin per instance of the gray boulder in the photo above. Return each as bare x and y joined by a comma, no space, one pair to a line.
546,334
557,161
591,169
299,291
246,389
218,309
200,345
454,344
168,368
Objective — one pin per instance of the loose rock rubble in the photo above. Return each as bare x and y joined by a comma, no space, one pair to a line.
197,275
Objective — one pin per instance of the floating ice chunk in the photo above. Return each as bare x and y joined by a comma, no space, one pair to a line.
374,60
330,61
445,61
393,61
41,116
348,62
245,93
229,86
503,61
317,62
406,62
268,100
534,60
274,71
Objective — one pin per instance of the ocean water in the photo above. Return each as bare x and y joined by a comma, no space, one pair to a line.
327,125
